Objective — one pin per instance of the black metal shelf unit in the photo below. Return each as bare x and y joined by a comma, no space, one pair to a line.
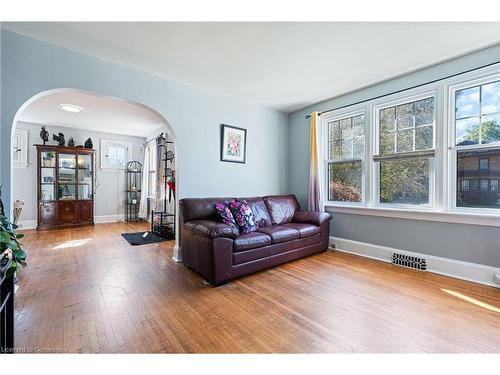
163,222
133,171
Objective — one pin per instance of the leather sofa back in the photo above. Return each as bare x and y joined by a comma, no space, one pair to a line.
267,210
282,208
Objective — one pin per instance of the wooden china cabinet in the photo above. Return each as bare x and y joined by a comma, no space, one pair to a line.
65,186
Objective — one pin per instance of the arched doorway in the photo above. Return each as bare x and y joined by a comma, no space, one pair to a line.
49,100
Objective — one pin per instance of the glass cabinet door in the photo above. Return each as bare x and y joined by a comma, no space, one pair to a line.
47,175
67,177
84,177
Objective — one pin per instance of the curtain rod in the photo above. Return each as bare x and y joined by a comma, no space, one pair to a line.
407,88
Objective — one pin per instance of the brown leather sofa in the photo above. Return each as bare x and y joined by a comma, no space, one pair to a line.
219,253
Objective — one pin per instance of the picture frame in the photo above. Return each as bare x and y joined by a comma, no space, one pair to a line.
233,144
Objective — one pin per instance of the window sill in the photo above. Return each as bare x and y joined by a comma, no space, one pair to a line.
415,214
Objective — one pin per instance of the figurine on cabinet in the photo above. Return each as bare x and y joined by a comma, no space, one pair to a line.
89,144
59,138
44,134
71,142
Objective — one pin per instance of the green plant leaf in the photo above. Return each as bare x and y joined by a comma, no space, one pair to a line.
19,236
4,237
12,269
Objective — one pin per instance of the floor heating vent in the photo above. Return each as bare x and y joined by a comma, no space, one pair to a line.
408,261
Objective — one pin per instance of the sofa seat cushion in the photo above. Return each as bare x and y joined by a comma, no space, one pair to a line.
280,233
305,230
251,241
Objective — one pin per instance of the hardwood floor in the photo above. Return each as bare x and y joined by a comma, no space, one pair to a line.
87,290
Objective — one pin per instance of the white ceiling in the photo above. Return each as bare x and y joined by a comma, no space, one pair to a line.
285,66
98,113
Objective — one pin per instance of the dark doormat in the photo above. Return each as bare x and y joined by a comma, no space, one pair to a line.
140,239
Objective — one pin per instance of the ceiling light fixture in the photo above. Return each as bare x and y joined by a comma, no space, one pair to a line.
70,108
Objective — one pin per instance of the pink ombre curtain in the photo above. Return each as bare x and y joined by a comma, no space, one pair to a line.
314,199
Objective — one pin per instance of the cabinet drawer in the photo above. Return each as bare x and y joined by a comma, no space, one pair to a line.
66,212
86,211
47,214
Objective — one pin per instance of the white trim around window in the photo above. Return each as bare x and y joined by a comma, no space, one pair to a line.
20,149
106,144
443,176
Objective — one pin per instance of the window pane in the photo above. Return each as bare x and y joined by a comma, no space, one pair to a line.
404,116
490,129
358,125
334,130
346,128
483,191
404,181
424,112
405,140
387,118
344,181
484,163
467,131
347,149
424,138
490,98
335,150
387,143
358,147
467,103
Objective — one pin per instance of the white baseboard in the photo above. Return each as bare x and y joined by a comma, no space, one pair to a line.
100,219
177,254
27,224
477,273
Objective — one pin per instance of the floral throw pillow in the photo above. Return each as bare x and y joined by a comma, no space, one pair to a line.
225,215
244,216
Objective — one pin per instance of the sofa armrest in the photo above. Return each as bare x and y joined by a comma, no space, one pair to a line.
211,229
311,217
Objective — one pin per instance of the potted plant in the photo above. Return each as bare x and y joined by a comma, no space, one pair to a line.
10,245
47,159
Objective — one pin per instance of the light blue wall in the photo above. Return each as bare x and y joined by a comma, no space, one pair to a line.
471,243
30,67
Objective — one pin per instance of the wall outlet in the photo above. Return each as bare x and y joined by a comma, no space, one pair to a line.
496,278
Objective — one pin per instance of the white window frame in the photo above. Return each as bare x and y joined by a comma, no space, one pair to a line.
22,136
152,171
467,81
425,94
105,143
335,116
444,184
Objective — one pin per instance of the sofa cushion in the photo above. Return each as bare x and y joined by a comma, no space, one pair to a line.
280,233
260,212
305,230
251,241
225,215
281,208
243,215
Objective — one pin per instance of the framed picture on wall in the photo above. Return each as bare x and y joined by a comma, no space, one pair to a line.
233,142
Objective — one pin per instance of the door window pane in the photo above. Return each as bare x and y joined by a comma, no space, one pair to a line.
404,181
344,181
483,185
